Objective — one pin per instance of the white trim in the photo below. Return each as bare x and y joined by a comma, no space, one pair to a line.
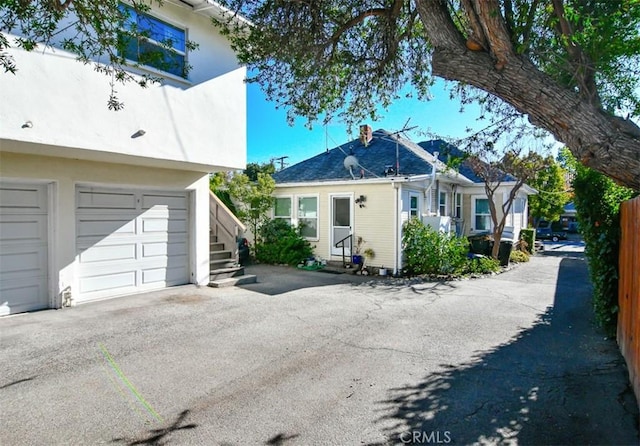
398,230
297,218
350,182
455,205
443,193
53,279
331,196
472,222
294,219
417,195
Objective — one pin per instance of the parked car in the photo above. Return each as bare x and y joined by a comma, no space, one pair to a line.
549,234
243,251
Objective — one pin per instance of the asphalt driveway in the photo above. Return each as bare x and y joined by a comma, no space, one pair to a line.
306,358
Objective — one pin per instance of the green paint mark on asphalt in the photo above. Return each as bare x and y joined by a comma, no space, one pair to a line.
124,379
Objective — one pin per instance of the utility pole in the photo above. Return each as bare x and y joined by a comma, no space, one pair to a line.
281,161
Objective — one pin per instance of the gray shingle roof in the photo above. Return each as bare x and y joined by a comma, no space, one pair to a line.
373,159
447,151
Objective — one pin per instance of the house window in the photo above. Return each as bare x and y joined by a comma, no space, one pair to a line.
458,206
282,208
482,214
442,204
414,210
308,216
158,45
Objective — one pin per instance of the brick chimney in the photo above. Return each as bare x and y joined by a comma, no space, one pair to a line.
366,135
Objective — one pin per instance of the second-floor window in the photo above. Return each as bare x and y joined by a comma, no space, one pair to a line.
156,43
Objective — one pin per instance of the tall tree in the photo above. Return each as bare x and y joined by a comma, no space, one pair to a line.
570,66
253,199
548,204
513,168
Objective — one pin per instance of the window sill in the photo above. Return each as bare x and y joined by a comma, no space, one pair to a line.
149,70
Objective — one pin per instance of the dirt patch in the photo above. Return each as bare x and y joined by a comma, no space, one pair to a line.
185,299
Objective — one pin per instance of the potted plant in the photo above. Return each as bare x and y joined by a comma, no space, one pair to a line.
356,257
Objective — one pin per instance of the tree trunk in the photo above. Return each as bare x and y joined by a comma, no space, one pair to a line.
606,143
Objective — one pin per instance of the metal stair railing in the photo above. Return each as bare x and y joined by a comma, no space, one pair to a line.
342,243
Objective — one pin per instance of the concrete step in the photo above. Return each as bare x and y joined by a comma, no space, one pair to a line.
216,246
233,281
222,263
220,255
224,272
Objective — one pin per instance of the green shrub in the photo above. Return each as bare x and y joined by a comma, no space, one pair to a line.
518,256
528,236
481,265
428,251
281,244
597,199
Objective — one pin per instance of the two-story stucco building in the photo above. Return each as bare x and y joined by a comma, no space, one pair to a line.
96,203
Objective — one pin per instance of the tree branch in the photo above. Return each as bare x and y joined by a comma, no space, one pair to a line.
355,20
582,66
495,30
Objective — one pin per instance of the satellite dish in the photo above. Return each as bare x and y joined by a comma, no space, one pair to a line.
349,163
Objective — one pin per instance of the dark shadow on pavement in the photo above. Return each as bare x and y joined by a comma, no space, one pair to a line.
274,280
557,382
161,436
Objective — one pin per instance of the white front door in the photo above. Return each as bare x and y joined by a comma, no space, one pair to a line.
341,223
130,241
23,247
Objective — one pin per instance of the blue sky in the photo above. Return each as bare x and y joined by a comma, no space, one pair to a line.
269,135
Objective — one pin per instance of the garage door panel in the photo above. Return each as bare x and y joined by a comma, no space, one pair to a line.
104,228
18,261
22,199
178,248
87,199
148,248
23,248
18,296
171,225
168,201
107,281
16,229
117,252
164,276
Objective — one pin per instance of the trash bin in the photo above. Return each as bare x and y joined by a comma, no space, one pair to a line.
480,244
504,252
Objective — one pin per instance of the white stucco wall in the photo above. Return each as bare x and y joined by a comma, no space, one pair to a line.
195,124
65,102
63,175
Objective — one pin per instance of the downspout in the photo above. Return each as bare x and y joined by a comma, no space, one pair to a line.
433,180
396,228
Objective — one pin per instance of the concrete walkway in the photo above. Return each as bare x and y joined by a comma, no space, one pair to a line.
311,358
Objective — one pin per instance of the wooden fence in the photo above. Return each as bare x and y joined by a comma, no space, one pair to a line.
629,290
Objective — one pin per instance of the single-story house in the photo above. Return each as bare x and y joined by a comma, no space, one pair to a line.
370,186
96,203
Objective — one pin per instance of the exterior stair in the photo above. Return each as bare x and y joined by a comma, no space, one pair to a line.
224,269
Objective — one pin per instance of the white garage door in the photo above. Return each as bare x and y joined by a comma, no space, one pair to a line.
23,248
130,241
